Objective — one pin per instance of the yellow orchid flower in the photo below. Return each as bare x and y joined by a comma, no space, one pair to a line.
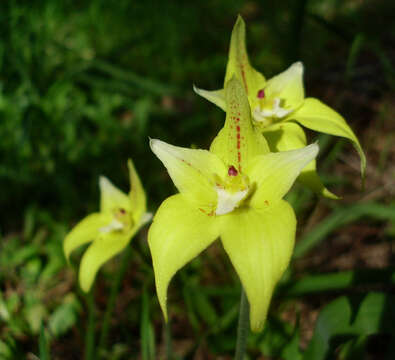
279,107
109,230
233,191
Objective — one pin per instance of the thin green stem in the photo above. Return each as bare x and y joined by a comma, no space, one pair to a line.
115,286
242,327
90,328
168,341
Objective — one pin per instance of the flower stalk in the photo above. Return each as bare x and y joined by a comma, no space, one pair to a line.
242,327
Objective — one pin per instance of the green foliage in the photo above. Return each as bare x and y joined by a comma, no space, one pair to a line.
350,317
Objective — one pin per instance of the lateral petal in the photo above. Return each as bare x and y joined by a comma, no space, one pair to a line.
259,244
290,136
85,231
111,197
192,170
288,86
179,232
317,116
238,142
274,173
100,251
217,97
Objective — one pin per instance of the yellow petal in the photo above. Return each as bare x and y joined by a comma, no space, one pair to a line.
238,142
178,233
274,173
217,97
238,63
137,195
259,244
111,197
290,136
287,86
192,171
101,250
317,116
85,231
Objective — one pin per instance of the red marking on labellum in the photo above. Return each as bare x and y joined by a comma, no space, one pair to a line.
122,211
261,94
211,213
232,171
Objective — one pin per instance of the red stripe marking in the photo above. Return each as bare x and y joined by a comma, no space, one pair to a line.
243,75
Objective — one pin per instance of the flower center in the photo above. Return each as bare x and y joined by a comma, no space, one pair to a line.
269,108
231,191
121,221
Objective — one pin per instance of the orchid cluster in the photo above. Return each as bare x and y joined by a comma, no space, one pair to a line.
233,191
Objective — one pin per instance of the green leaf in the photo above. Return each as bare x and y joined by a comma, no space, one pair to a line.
65,316
204,307
348,317
291,350
337,281
339,218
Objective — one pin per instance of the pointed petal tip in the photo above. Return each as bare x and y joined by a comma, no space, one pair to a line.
130,164
330,195
84,285
153,143
312,149
239,20
145,218
298,66
104,182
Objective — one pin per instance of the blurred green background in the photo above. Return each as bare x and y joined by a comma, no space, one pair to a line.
82,87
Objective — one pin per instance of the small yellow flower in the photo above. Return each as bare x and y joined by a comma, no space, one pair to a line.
279,107
234,191
109,230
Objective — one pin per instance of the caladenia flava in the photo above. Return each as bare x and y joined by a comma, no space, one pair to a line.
233,191
110,230
279,107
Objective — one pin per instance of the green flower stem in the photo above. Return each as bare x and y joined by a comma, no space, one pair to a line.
168,341
90,328
242,327
111,301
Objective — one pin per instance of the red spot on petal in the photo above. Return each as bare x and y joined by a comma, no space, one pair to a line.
266,202
232,171
261,94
